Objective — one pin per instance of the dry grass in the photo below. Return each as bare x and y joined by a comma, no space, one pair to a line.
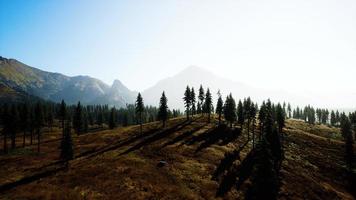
313,167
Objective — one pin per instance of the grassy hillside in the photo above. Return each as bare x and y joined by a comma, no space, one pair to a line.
185,160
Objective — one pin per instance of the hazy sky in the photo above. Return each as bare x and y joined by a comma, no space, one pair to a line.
280,44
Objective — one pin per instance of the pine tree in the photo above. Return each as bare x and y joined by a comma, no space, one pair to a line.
192,101
240,114
247,104
163,109
139,108
230,109
6,117
199,109
201,97
332,118
208,104
67,145
112,118
78,119
63,113
14,125
280,118
347,133
38,123
187,101
50,119
289,109
24,116
219,106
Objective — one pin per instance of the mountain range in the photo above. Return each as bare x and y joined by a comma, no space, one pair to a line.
19,81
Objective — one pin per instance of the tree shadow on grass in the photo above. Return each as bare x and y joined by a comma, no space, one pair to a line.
158,136
219,135
227,162
183,136
236,175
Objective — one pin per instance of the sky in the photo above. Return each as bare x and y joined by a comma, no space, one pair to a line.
304,46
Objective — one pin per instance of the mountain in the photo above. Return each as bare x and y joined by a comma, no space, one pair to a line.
194,76
18,80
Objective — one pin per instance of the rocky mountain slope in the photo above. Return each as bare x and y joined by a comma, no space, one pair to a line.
18,80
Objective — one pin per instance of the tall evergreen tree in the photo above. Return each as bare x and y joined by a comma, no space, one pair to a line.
332,118
208,104
230,110
187,100
289,109
280,118
219,106
38,123
6,117
347,133
63,113
112,118
240,114
24,116
14,125
67,152
201,97
78,119
139,108
192,101
163,109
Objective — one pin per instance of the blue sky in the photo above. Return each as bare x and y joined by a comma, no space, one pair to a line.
287,45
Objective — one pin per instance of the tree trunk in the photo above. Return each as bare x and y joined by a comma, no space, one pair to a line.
209,117
187,114
219,119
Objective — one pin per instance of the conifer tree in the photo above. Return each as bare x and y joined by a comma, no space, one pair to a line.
187,101
332,118
163,109
219,106
13,125
240,114
50,119
280,118
199,109
6,125
230,109
139,108
67,145
24,116
38,123
112,118
201,97
192,101
347,133
247,104
289,109
63,113
85,122
78,119
208,103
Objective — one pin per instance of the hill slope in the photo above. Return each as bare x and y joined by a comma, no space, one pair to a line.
23,79
199,161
